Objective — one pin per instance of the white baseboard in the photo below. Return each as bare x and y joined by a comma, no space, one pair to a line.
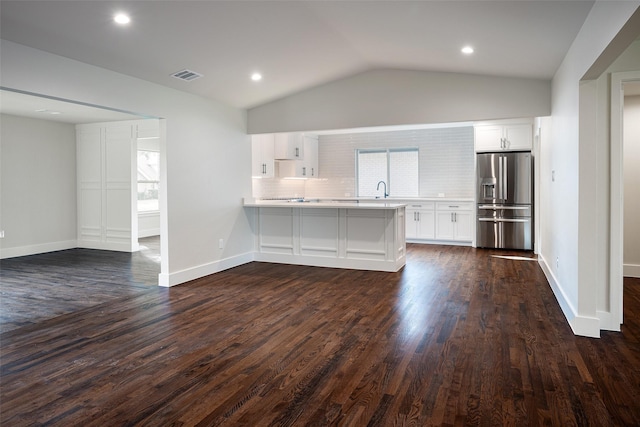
439,242
150,232
580,325
332,262
108,246
182,276
631,270
37,249
608,322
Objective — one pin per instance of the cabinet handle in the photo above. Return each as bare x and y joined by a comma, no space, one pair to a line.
304,171
297,152
312,172
418,215
454,206
455,217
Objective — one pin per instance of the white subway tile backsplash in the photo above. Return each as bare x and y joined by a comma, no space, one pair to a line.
446,164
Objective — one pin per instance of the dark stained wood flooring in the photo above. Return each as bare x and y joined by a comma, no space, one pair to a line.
38,287
458,337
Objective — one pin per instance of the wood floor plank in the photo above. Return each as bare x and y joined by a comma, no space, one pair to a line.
458,337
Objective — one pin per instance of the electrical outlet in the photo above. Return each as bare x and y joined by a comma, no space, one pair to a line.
221,244
1,234
557,262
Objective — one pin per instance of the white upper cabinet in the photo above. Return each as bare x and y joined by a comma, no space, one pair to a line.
289,146
305,168
262,160
507,137
311,156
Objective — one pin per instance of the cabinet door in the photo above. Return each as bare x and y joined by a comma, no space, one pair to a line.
462,226
262,164
411,222
289,146
518,137
311,156
444,225
488,138
426,224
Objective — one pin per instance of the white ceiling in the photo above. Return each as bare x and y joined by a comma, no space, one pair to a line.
297,44
57,110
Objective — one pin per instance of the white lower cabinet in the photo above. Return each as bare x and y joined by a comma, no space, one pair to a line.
420,221
454,221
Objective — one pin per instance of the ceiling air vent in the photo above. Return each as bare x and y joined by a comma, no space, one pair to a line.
186,75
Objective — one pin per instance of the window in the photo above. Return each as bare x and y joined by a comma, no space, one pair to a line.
397,167
148,180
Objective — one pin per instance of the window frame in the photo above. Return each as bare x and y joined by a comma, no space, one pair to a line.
387,180
147,181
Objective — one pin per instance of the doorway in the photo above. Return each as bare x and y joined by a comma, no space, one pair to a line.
26,236
624,83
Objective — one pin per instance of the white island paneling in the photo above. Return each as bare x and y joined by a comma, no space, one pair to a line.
340,235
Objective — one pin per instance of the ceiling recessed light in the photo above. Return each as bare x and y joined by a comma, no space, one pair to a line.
467,50
121,18
256,77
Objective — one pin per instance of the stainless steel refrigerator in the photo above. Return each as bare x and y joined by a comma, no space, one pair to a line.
505,200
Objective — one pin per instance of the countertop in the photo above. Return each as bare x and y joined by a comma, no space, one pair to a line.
318,203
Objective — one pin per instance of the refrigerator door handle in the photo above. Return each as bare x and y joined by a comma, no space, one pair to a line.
500,182
502,220
504,180
515,208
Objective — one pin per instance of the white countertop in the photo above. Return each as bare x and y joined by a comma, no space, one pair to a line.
321,204
406,200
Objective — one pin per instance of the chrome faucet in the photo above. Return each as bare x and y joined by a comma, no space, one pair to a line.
385,188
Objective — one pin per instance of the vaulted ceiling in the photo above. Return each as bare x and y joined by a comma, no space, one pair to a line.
297,44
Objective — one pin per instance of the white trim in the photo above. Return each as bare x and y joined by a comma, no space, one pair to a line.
332,262
631,270
37,249
150,232
109,246
441,242
616,200
580,325
186,275
607,321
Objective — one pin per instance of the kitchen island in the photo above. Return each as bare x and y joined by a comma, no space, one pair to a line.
356,235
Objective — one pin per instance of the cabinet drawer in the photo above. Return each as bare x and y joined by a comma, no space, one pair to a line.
454,206
421,206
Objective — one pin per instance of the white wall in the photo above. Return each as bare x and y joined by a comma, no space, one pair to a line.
38,186
573,238
205,156
631,140
394,97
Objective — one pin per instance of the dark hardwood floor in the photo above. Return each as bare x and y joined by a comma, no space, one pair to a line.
38,287
458,337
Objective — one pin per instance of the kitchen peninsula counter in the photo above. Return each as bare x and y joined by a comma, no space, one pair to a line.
338,234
